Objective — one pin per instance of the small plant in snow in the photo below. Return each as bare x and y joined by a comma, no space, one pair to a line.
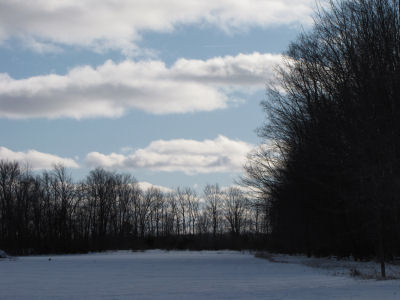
354,272
3,254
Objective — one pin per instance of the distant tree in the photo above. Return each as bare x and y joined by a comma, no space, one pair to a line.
50,213
9,182
128,192
63,190
235,205
213,197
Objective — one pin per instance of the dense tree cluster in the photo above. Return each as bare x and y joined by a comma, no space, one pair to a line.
329,171
107,210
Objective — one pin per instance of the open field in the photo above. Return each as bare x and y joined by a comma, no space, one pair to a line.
178,275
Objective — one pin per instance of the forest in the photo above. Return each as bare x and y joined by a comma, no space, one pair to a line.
330,166
50,213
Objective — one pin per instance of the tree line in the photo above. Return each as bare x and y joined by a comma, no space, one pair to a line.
49,212
329,171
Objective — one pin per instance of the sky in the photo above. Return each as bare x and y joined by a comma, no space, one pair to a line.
166,90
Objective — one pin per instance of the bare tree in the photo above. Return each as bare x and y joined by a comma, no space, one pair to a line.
213,197
235,208
51,213
182,207
336,129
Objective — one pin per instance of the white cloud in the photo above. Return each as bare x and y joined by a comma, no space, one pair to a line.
40,47
189,156
105,24
252,70
35,159
147,185
245,189
111,89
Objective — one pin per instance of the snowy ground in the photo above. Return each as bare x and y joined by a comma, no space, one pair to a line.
338,267
178,275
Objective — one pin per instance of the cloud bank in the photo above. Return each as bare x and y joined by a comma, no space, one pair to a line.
35,159
44,25
150,86
144,185
220,155
180,155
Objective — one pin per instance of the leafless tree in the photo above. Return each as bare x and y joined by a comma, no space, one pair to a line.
235,208
213,197
336,130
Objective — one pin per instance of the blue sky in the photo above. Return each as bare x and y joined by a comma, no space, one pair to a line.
168,91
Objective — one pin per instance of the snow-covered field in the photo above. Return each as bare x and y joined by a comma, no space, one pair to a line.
178,275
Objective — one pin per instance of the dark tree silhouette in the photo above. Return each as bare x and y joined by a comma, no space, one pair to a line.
330,175
50,213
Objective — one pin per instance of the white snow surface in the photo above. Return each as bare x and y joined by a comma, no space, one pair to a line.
160,274
340,267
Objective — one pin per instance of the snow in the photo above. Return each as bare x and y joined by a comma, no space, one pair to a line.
3,254
343,266
159,274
